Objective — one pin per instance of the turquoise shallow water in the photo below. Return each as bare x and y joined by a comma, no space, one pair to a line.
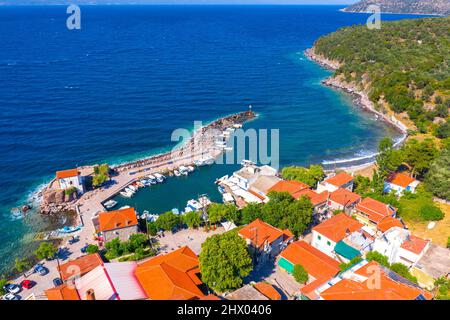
116,89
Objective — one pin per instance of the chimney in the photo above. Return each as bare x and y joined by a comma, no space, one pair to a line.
90,294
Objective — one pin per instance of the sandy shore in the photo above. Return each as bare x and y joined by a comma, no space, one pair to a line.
362,100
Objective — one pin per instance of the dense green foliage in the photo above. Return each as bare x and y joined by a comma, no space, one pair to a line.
378,257
21,265
136,246
437,179
309,176
443,289
168,221
152,229
300,274
46,250
92,248
405,62
419,207
225,261
345,266
101,175
3,282
192,219
217,212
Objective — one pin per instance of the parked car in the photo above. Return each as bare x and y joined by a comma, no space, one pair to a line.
57,282
41,270
83,250
27,284
10,296
12,288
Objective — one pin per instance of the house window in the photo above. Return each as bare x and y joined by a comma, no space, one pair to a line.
329,243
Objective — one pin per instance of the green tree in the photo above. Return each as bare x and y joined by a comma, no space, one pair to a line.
309,176
192,219
92,248
152,229
300,274
3,282
402,270
216,212
430,212
251,212
352,262
137,241
388,159
168,221
378,257
101,175
46,250
437,179
114,249
21,265
419,155
298,217
225,261
361,185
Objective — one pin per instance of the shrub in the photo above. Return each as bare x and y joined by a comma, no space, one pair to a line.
46,250
92,248
430,212
300,274
378,257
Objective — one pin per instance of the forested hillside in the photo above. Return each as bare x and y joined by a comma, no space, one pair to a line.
437,7
404,66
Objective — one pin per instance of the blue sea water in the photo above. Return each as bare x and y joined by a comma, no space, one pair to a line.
116,89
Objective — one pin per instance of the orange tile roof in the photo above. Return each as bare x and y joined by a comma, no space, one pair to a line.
290,186
117,219
261,232
66,173
344,197
339,179
337,226
171,276
374,209
315,262
400,179
415,244
389,289
314,197
389,222
62,292
210,297
268,290
80,266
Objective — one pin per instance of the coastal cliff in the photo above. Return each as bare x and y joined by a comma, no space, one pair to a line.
399,72
431,7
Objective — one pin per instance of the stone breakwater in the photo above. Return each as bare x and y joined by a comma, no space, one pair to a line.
201,144
360,97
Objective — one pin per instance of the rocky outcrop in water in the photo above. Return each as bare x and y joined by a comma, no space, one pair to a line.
56,201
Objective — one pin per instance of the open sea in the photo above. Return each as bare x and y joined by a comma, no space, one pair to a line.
116,89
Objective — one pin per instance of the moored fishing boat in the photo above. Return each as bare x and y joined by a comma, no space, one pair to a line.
110,204
126,194
159,177
176,173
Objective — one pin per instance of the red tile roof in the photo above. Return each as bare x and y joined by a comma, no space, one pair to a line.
80,266
415,244
62,292
400,179
389,222
172,276
389,289
268,290
261,232
289,186
337,227
117,219
66,173
374,209
344,197
339,179
315,262
314,197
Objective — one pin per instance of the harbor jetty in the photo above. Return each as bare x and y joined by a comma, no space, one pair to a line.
200,146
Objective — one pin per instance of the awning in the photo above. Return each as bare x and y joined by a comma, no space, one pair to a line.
286,265
346,251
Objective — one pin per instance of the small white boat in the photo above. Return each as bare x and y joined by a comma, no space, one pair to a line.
110,204
129,190
237,125
124,207
133,188
190,168
209,160
126,194
176,173
245,163
227,198
183,170
204,201
194,205
159,177
140,184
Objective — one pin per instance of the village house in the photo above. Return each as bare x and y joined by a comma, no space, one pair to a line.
358,283
68,179
173,276
329,235
399,245
262,186
108,281
399,182
249,173
341,180
264,240
319,266
318,200
342,199
80,266
117,224
372,212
